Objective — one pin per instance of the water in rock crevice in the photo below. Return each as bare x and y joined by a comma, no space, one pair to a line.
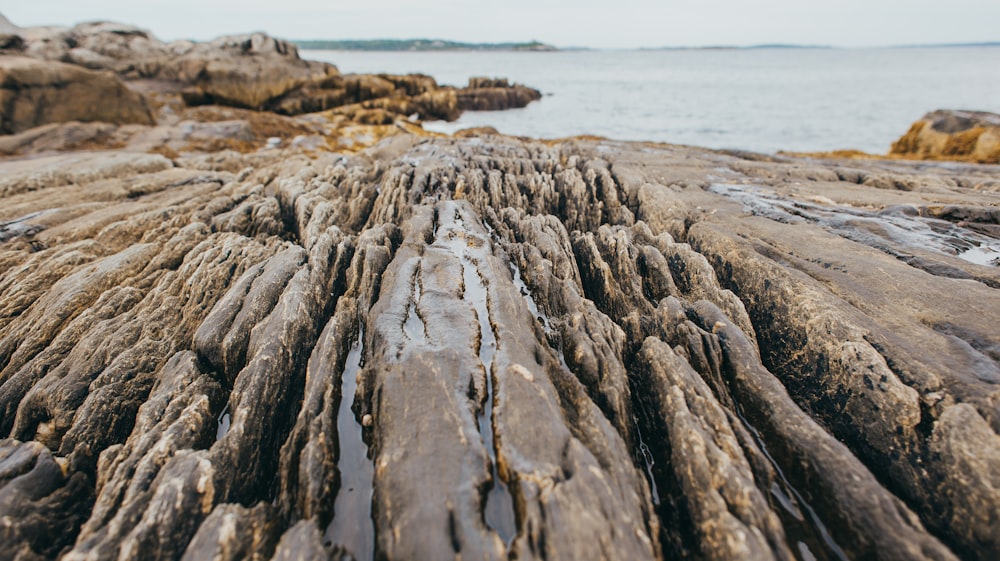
523,289
890,228
224,422
352,525
471,250
648,463
803,526
413,326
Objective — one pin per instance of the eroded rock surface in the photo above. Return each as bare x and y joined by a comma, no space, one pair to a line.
493,348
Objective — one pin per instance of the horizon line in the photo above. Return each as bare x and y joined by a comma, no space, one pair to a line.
752,46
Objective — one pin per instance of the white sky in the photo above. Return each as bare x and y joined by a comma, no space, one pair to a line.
589,23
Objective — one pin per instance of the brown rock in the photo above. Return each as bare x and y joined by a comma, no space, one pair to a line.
494,94
42,504
952,135
304,542
35,93
731,515
491,347
246,70
254,71
233,532
11,41
466,300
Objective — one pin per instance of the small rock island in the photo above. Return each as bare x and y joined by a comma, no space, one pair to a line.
251,309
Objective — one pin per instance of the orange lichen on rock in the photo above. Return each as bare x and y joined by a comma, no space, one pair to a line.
263,123
970,136
849,154
909,143
962,143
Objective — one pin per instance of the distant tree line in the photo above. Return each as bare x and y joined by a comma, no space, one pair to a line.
418,45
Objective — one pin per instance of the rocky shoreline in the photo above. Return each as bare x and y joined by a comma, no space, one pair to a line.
228,332
116,86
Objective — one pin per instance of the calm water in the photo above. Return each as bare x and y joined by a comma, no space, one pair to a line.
762,99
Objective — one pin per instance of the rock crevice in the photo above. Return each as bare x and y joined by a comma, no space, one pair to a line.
456,348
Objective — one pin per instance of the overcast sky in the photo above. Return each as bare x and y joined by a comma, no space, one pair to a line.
590,23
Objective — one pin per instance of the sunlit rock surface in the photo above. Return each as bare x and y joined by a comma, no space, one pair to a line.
952,135
490,348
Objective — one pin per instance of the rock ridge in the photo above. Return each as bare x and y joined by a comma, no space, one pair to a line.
495,347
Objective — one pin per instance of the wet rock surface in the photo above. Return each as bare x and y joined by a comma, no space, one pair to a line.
494,348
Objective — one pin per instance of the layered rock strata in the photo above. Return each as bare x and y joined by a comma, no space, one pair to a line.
34,93
493,348
251,71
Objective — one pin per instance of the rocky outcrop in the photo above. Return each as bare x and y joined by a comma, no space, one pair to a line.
492,94
952,135
262,62
253,71
249,334
240,70
494,348
34,93
54,106
376,99
247,71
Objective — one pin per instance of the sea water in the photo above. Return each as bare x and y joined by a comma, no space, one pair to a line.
763,100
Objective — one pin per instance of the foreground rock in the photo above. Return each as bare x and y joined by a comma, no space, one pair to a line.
493,348
953,135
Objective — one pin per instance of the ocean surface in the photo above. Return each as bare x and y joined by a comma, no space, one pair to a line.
764,100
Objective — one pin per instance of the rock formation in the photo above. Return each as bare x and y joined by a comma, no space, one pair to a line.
100,85
10,37
952,135
485,347
253,71
492,94
240,334
35,93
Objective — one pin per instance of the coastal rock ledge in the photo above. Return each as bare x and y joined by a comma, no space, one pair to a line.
102,65
491,348
251,331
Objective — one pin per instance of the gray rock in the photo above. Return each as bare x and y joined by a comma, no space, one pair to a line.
234,532
489,347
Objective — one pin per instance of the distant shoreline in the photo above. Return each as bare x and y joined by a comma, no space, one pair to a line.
418,45
440,45
817,47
